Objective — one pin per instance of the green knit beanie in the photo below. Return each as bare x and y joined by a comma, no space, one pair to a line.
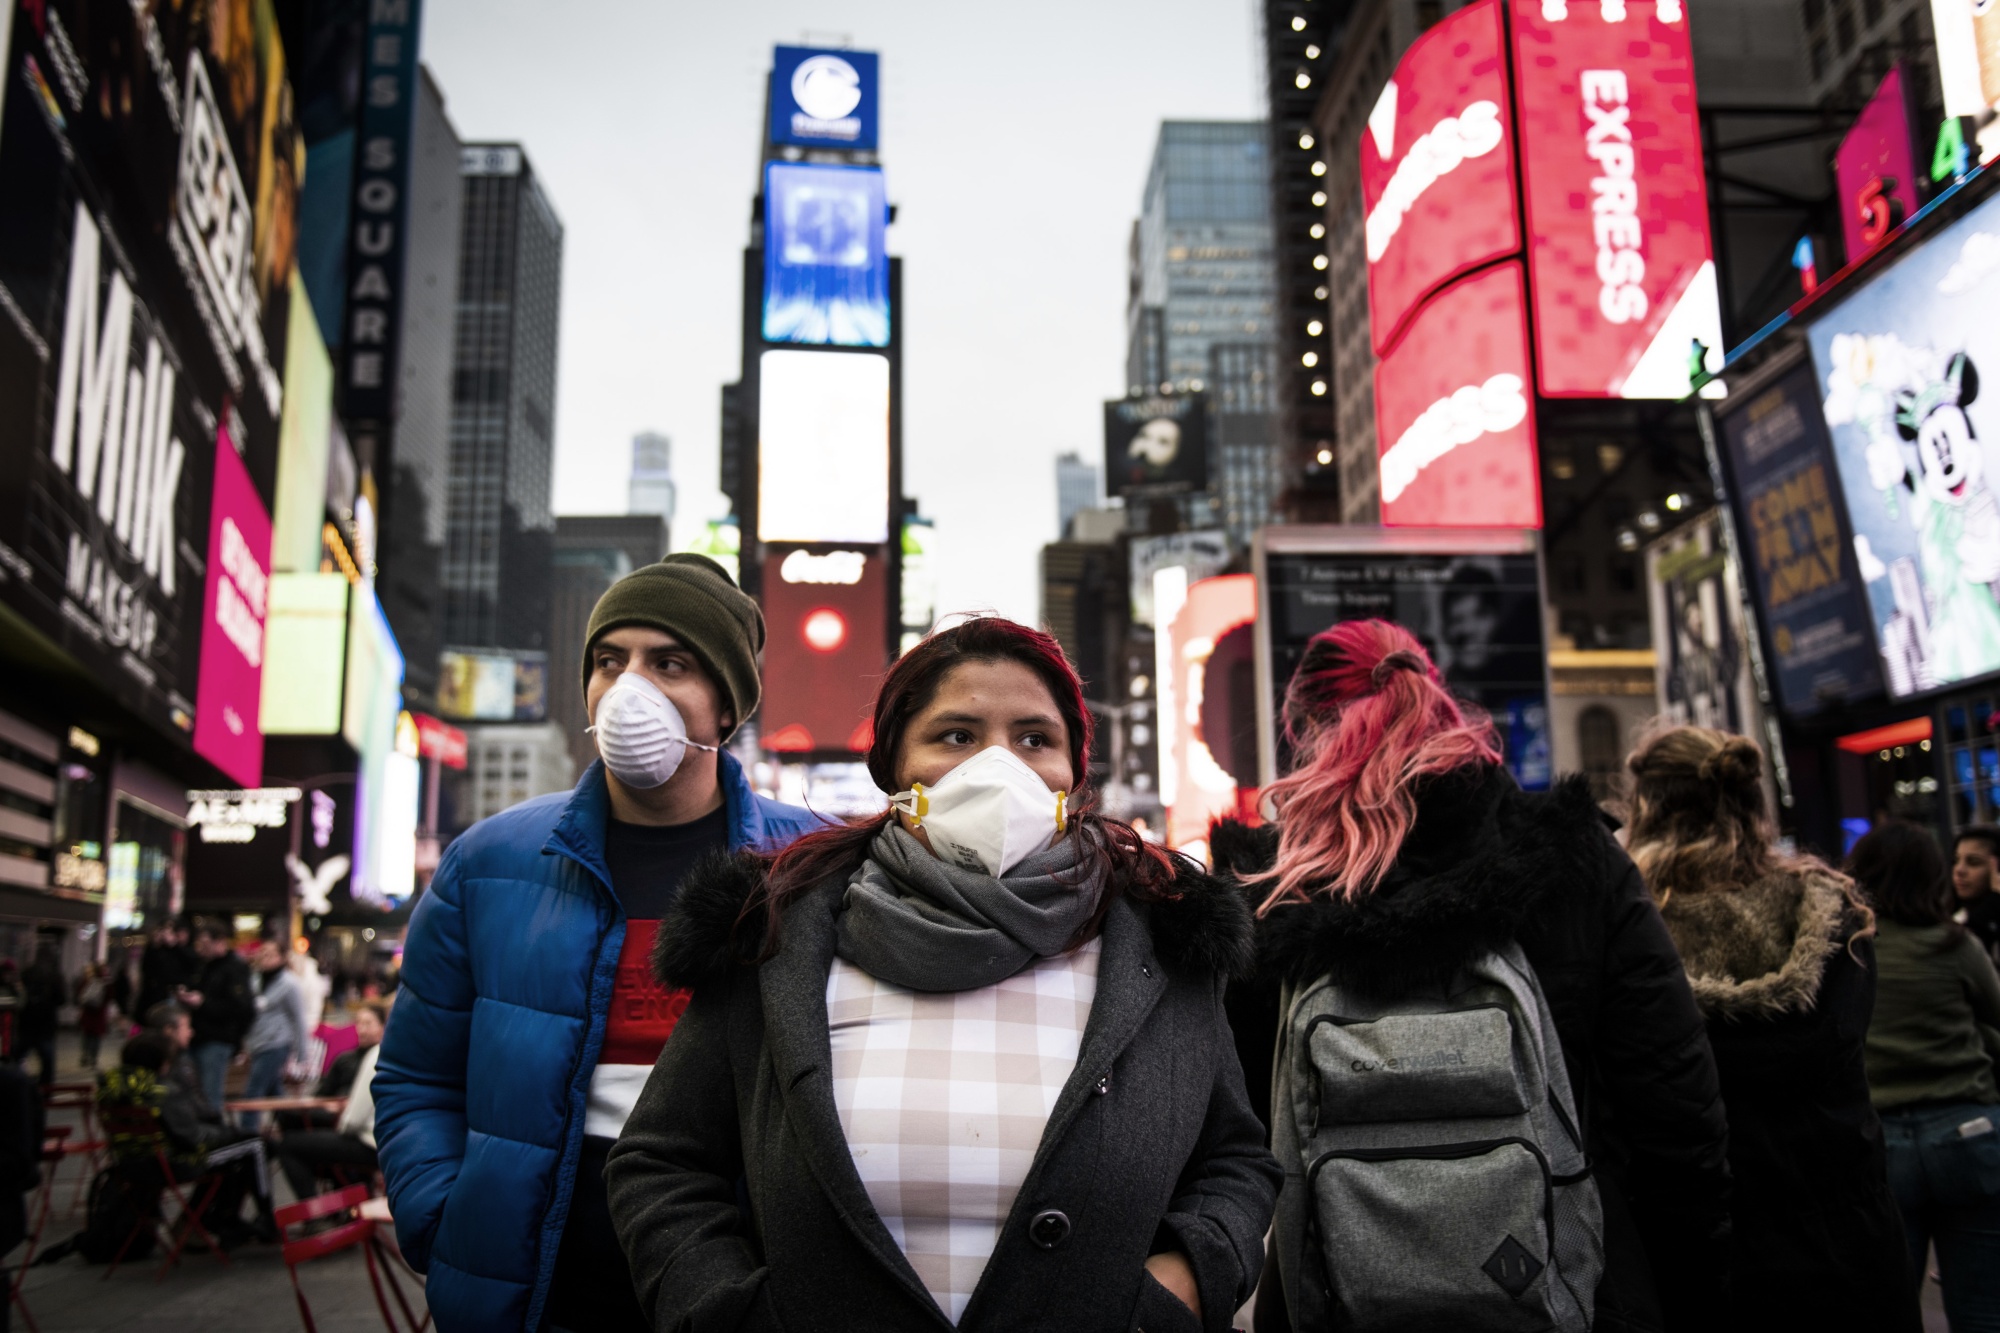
694,599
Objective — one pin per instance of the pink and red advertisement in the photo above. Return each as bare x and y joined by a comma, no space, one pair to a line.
231,681
1437,167
1455,416
1617,206
1876,168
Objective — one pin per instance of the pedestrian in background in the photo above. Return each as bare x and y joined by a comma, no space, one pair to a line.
42,994
277,1037
342,1149
962,1064
526,1016
1931,1053
220,1007
168,965
93,1010
1403,856
1975,884
1780,952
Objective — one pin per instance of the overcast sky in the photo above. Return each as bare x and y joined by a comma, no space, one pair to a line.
1016,140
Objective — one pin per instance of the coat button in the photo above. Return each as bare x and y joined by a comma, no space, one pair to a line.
1103,1085
1049,1228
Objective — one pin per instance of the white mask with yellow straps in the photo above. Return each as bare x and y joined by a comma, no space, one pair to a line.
988,814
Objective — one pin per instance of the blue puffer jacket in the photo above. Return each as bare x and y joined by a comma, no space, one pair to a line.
480,1087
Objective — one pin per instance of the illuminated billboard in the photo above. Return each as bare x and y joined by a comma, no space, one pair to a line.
824,99
1437,167
489,686
1207,703
305,654
1968,62
826,257
1156,445
1913,428
1454,418
827,614
373,691
236,603
305,439
1802,566
1471,597
1876,168
823,447
1617,206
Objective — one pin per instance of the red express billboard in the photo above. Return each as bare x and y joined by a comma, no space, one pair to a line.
1617,208
826,647
1453,413
1437,167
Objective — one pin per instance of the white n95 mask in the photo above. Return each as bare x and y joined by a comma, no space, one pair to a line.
988,814
640,733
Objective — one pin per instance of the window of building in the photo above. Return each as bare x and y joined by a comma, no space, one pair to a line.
1598,749
1843,31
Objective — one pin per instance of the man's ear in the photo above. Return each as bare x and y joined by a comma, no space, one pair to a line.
727,721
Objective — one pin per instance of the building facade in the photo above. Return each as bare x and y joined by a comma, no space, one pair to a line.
1200,302
1078,486
592,552
499,527
650,489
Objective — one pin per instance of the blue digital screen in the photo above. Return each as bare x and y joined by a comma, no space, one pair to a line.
826,261
824,99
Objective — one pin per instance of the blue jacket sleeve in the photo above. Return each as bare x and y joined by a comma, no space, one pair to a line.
419,1086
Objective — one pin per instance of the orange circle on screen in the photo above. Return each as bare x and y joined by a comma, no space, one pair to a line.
825,630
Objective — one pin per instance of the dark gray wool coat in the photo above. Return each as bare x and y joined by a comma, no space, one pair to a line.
738,1205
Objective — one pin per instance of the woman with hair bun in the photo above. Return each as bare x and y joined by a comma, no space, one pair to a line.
1403,854
962,1064
1779,951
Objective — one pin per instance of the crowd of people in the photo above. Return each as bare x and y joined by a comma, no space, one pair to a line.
1421,1050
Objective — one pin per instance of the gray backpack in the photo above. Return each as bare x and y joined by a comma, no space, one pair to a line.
1436,1177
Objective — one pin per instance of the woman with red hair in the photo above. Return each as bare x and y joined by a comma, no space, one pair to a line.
1403,853
966,1061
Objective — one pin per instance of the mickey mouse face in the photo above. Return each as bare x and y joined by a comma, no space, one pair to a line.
1952,460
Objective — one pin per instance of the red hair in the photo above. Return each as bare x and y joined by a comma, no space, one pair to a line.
1135,866
1368,717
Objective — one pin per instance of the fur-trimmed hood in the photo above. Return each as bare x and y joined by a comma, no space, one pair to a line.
1482,857
1761,950
1204,928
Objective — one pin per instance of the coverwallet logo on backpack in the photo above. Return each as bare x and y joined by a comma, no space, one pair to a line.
1398,1063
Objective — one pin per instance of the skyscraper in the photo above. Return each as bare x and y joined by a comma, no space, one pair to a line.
499,526
1200,301
650,489
1077,487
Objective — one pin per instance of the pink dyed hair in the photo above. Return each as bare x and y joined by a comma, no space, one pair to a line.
1368,717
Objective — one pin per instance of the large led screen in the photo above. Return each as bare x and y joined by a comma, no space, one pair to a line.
826,258
1207,703
1617,205
823,447
1900,367
1454,415
824,99
236,604
373,692
826,648
1437,167
305,654
1477,613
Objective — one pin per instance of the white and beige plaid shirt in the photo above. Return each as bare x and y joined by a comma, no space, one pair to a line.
944,1098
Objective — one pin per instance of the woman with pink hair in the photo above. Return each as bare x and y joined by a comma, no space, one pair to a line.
1403,854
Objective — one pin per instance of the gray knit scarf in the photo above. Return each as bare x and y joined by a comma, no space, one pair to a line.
916,921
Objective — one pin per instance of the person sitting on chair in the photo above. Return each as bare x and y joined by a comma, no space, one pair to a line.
345,1153
197,1143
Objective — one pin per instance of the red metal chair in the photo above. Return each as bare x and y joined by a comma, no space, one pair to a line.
353,1231
92,1147
53,1142
143,1162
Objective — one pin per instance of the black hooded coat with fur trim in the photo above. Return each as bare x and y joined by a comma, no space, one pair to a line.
735,1196
1486,862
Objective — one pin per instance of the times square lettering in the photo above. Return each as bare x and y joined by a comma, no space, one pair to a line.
1621,263
375,198
114,439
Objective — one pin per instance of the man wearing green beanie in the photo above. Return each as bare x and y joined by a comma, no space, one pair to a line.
528,1018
